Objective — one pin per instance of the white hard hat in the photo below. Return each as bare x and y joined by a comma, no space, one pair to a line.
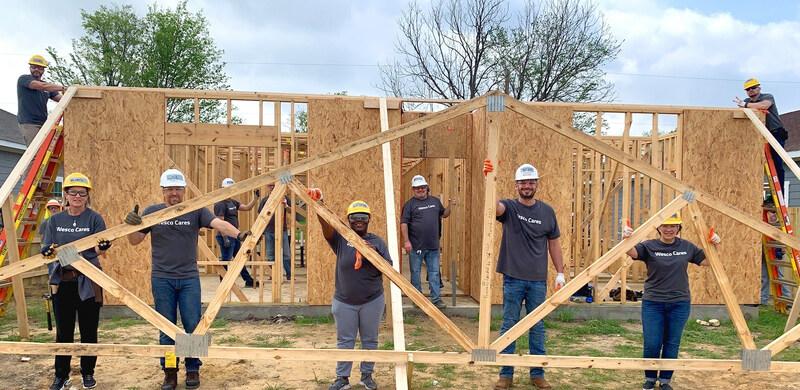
173,178
526,172
227,182
418,181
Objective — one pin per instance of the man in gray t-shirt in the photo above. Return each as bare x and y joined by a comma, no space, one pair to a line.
530,233
175,279
757,100
32,96
421,226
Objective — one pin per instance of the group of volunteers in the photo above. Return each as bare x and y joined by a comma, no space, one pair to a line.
530,234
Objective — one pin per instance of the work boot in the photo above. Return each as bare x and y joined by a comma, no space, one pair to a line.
504,383
665,386
440,304
193,380
89,382
368,382
170,379
341,383
540,383
649,385
60,383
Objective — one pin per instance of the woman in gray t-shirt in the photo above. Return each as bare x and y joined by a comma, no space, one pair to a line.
666,303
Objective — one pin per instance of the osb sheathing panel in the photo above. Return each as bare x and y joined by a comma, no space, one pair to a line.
436,140
118,141
332,123
521,141
724,156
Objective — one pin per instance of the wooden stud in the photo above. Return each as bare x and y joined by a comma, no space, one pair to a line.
396,299
382,265
784,341
598,266
17,286
626,203
597,188
277,268
760,128
698,223
793,314
487,241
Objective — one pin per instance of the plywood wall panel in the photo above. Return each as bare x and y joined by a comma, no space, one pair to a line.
436,140
118,141
724,156
334,122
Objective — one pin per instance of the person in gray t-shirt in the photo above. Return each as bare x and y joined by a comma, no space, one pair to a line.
228,211
358,301
667,302
421,226
175,278
530,233
32,96
765,102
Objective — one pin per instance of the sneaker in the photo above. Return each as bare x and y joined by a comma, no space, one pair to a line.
341,383
665,386
192,380
60,383
368,382
649,385
440,304
89,382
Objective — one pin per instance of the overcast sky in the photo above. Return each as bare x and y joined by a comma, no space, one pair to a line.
673,52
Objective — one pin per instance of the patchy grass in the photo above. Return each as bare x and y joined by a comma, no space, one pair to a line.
228,340
219,323
120,323
309,321
269,341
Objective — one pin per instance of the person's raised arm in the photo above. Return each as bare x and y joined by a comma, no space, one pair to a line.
45,86
249,206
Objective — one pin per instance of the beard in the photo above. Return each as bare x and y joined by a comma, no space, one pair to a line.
527,195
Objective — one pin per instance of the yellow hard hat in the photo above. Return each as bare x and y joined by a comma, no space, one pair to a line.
77,179
38,60
358,206
675,219
751,83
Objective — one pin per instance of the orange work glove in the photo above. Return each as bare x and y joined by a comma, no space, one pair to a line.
487,167
358,263
315,194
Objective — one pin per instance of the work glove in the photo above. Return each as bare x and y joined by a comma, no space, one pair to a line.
243,235
713,237
627,230
49,251
226,242
285,177
315,194
104,244
487,167
258,193
560,281
739,102
133,218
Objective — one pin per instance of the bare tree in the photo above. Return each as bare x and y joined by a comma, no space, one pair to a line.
552,51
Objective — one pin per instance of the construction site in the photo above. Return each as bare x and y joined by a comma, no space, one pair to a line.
707,163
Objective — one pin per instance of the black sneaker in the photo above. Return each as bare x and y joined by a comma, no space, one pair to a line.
368,382
649,385
60,383
341,383
665,386
89,382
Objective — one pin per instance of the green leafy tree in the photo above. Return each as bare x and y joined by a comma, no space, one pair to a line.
166,48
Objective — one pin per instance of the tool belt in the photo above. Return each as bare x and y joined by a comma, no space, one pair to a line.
69,275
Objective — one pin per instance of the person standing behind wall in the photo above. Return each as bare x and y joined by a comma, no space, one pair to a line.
32,96
420,225
269,235
228,211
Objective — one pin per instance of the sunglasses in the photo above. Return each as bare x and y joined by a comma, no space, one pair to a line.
358,218
752,88
79,193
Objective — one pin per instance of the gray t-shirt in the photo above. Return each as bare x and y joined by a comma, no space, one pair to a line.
667,279
526,231
271,224
773,118
424,220
357,286
62,229
174,242
31,103
228,210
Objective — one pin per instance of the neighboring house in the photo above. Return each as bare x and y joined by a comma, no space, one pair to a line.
12,145
791,121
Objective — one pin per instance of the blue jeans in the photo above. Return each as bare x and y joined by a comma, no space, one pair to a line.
533,293
227,254
662,327
269,241
171,295
431,258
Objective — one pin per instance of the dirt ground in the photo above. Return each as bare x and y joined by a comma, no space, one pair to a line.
421,334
